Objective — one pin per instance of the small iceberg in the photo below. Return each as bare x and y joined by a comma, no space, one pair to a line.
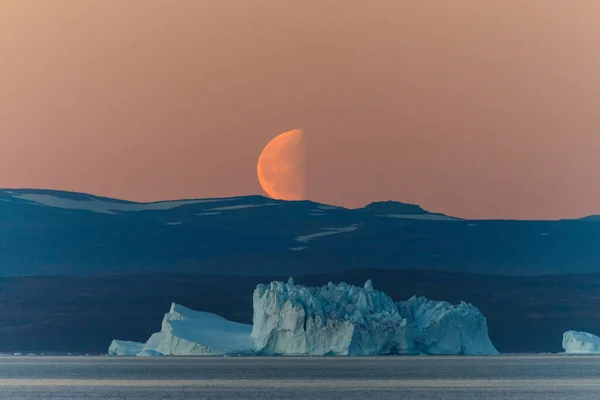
575,342
124,348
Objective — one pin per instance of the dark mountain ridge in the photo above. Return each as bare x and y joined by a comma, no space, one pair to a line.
52,232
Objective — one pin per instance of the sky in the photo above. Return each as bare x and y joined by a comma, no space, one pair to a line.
478,109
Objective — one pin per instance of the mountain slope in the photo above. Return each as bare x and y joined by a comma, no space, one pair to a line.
53,232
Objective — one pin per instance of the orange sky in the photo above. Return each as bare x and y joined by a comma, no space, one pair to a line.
468,107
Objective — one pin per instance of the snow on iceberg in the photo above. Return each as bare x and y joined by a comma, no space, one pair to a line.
439,327
333,319
124,348
189,332
580,343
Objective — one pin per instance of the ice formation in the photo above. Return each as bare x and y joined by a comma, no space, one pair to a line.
334,319
149,349
439,327
580,343
124,348
330,320
189,332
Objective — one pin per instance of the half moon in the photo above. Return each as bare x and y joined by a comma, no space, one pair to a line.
281,171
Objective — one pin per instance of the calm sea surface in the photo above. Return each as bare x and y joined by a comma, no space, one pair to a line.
423,378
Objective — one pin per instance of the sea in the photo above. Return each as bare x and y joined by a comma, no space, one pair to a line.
427,377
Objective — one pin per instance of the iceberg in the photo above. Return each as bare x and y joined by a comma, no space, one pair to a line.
439,327
340,319
124,348
189,332
149,349
575,342
330,320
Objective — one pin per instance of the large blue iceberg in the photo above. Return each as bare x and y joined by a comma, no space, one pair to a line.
336,319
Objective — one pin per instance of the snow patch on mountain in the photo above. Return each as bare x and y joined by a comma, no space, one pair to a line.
106,207
298,248
327,232
242,206
426,217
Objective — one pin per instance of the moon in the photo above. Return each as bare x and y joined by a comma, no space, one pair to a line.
281,170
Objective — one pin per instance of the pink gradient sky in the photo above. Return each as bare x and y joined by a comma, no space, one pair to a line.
485,109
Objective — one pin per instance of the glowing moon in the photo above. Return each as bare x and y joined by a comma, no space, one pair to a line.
280,168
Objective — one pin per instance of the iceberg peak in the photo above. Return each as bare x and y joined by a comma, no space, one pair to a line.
333,319
188,332
442,328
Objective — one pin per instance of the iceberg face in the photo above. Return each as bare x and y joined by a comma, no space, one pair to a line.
124,348
189,332
149,349
442,328
334,319
580,343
